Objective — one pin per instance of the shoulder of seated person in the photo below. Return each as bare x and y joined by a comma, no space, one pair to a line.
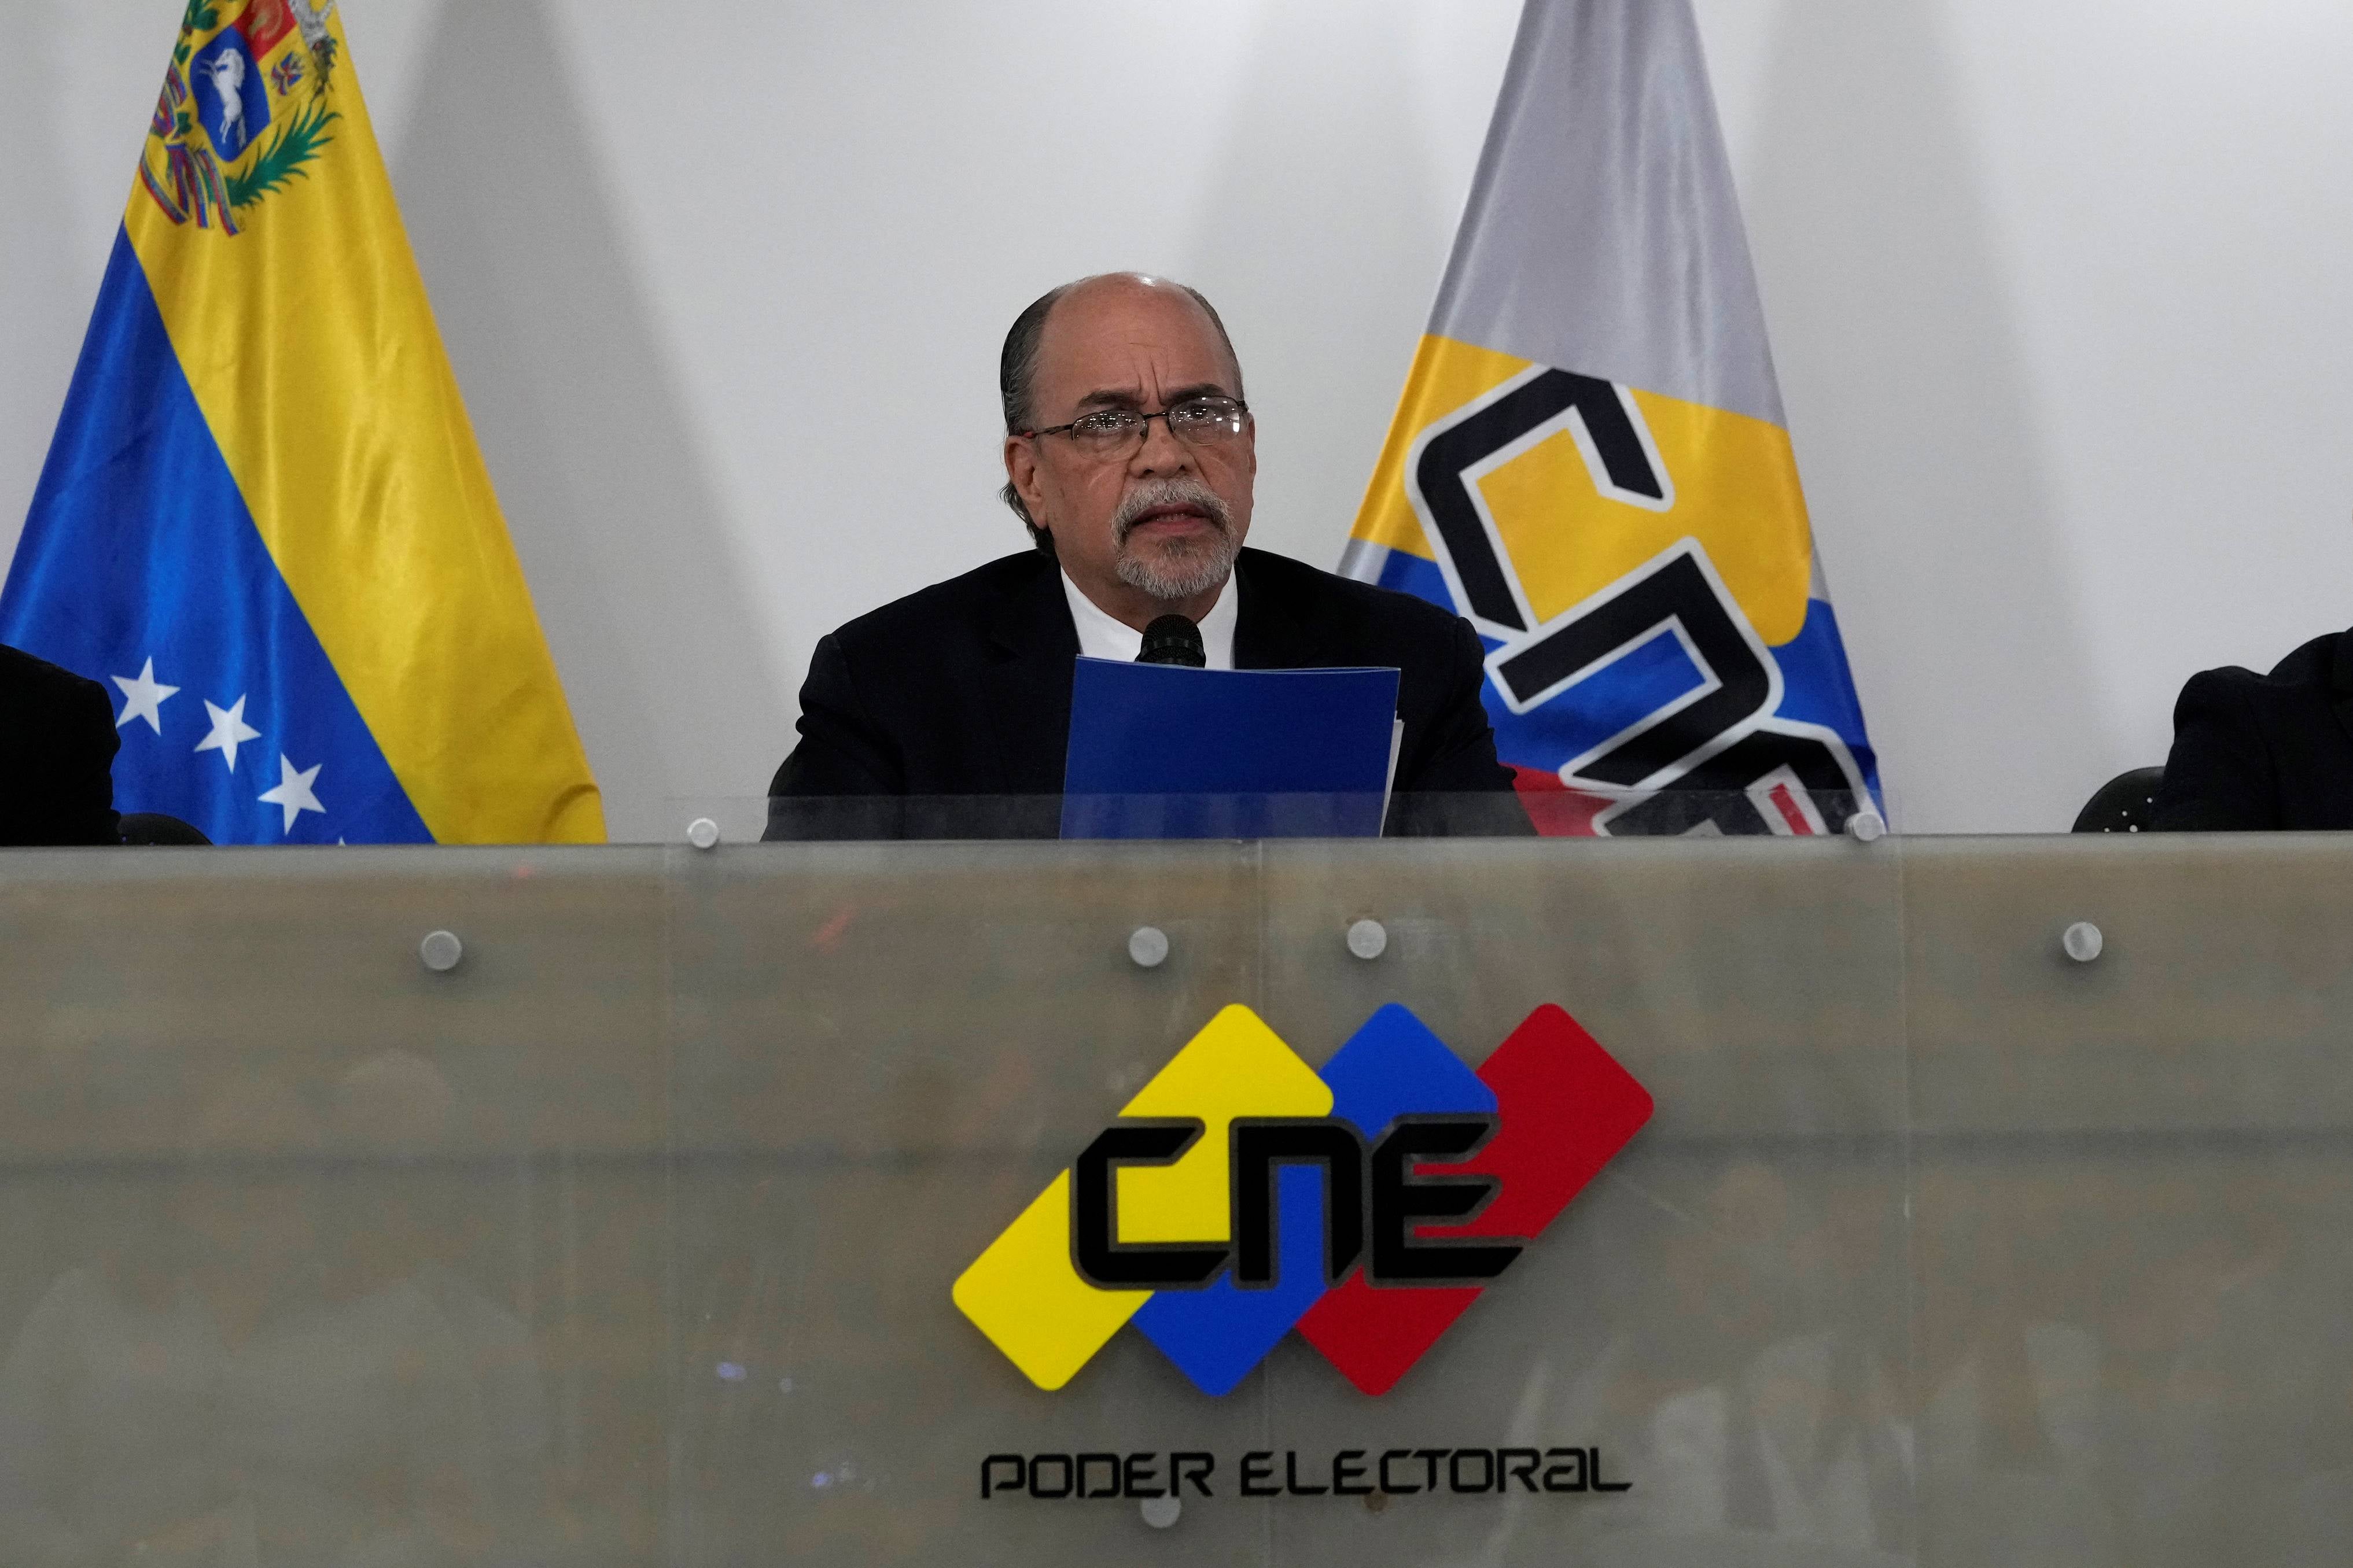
2323,664
18,665
922,613
1368,601
28,679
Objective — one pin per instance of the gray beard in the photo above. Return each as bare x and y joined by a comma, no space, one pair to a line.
1177,569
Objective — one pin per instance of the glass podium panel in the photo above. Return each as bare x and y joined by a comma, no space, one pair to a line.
1694,1200
881,1055
2133,1201
315,1252
1720,1321
885,1054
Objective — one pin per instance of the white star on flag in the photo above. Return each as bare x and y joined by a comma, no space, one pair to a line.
292,793
229,731
145,696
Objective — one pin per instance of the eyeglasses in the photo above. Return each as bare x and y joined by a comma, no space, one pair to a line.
1197,422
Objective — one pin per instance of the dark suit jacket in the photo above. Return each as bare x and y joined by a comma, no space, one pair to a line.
963,690
57,784
2264,751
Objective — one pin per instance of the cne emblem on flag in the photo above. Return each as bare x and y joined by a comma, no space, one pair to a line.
264,517
1590,462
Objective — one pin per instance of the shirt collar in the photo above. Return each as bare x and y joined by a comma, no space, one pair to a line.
1104,635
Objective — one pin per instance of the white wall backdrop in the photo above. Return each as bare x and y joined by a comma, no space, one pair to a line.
2057,289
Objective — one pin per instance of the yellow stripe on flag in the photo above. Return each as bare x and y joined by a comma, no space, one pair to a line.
1735,491
312,349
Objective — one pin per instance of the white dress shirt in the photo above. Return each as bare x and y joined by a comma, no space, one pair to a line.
1101,636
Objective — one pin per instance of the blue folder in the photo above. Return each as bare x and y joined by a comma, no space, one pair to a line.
1161,752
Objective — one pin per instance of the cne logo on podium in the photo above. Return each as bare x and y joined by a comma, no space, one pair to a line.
1241,1194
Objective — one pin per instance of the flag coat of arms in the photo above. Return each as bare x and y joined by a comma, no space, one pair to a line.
1591,464
264,519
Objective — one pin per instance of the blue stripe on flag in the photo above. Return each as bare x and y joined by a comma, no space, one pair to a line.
139,547
1816,686
1412,575
1613,699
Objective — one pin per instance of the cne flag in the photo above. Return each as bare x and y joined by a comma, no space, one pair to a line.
1590,462
264,518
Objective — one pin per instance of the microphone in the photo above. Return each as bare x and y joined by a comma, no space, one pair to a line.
1173,639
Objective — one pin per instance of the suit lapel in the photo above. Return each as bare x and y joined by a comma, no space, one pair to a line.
1270,632
1032,651
2340,682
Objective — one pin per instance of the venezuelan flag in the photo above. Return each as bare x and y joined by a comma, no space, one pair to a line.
1591,464
264,518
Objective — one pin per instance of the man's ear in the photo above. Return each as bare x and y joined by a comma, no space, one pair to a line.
1021,473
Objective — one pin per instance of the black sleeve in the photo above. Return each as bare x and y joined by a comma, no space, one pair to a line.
1455,786
843,755
85,803
2220,775
1460,753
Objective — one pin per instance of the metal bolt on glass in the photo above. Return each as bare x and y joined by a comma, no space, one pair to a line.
1866,826
1368,938
703,833
1160,1512
2083,942
1148,946
440,950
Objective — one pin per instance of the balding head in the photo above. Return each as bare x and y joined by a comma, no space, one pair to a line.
1144,511
1016,366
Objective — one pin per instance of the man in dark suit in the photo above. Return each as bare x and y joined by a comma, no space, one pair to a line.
57,784
2264,751
1130,455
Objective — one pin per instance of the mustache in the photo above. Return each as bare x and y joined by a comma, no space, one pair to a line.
1169,492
